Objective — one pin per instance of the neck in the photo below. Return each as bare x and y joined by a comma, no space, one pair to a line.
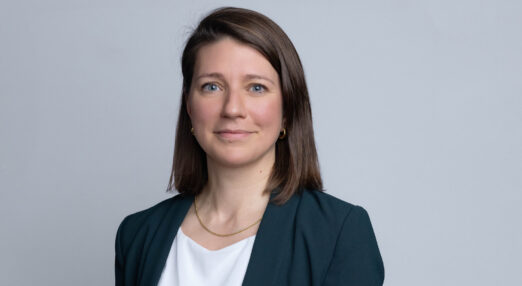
236,191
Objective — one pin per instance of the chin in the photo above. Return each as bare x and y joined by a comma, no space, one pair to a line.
236,159
233,161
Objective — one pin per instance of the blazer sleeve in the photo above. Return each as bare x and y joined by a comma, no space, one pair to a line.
356,260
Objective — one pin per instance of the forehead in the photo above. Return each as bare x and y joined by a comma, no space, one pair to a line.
230,56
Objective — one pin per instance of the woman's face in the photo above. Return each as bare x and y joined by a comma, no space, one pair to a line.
235,104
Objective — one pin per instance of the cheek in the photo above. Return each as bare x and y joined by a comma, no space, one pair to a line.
268,114
203,113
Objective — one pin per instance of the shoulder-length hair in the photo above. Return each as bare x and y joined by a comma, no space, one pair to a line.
296,164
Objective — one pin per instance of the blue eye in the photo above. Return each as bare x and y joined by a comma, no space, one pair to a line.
210,87
258,88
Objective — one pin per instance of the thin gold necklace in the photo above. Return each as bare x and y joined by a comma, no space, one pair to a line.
219,234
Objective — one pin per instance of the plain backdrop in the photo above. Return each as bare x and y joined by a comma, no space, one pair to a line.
417,110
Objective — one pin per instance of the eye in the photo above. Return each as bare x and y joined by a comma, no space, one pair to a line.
210,87
259,88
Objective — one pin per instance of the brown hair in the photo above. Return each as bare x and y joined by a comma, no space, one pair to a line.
296,165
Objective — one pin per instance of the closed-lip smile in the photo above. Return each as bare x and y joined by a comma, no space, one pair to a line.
233,133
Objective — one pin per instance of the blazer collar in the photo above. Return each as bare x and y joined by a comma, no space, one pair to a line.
270,243
160,244
264,260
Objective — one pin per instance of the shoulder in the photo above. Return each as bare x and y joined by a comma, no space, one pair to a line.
149,213
332,219
148,219
143,233
326,216
346,234
327,207
321,198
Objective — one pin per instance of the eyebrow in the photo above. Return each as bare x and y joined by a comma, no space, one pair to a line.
248,77
255,76
214,74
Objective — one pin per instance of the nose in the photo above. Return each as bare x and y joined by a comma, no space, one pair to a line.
234,105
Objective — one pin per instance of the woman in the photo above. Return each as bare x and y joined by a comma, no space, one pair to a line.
250,209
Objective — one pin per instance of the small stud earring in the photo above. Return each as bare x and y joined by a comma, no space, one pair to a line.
192,130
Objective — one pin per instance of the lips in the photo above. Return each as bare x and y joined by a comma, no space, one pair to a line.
233,134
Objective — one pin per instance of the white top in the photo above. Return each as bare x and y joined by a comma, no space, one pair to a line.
191,264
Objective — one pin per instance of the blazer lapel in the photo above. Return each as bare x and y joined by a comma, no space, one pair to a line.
272,244
161,241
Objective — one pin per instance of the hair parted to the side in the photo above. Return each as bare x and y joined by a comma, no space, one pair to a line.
296,164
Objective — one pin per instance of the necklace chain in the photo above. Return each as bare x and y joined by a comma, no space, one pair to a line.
220,234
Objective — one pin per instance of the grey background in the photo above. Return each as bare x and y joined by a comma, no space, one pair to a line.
417,109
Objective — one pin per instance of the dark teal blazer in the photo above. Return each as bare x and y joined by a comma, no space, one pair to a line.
313,239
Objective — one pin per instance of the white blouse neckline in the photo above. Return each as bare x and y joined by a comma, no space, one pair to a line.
189,263
234,245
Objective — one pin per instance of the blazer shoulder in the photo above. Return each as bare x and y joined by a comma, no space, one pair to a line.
346,233
149,218
322,211
324,204
146,234
323,214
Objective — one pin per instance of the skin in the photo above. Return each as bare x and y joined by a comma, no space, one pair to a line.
235,106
